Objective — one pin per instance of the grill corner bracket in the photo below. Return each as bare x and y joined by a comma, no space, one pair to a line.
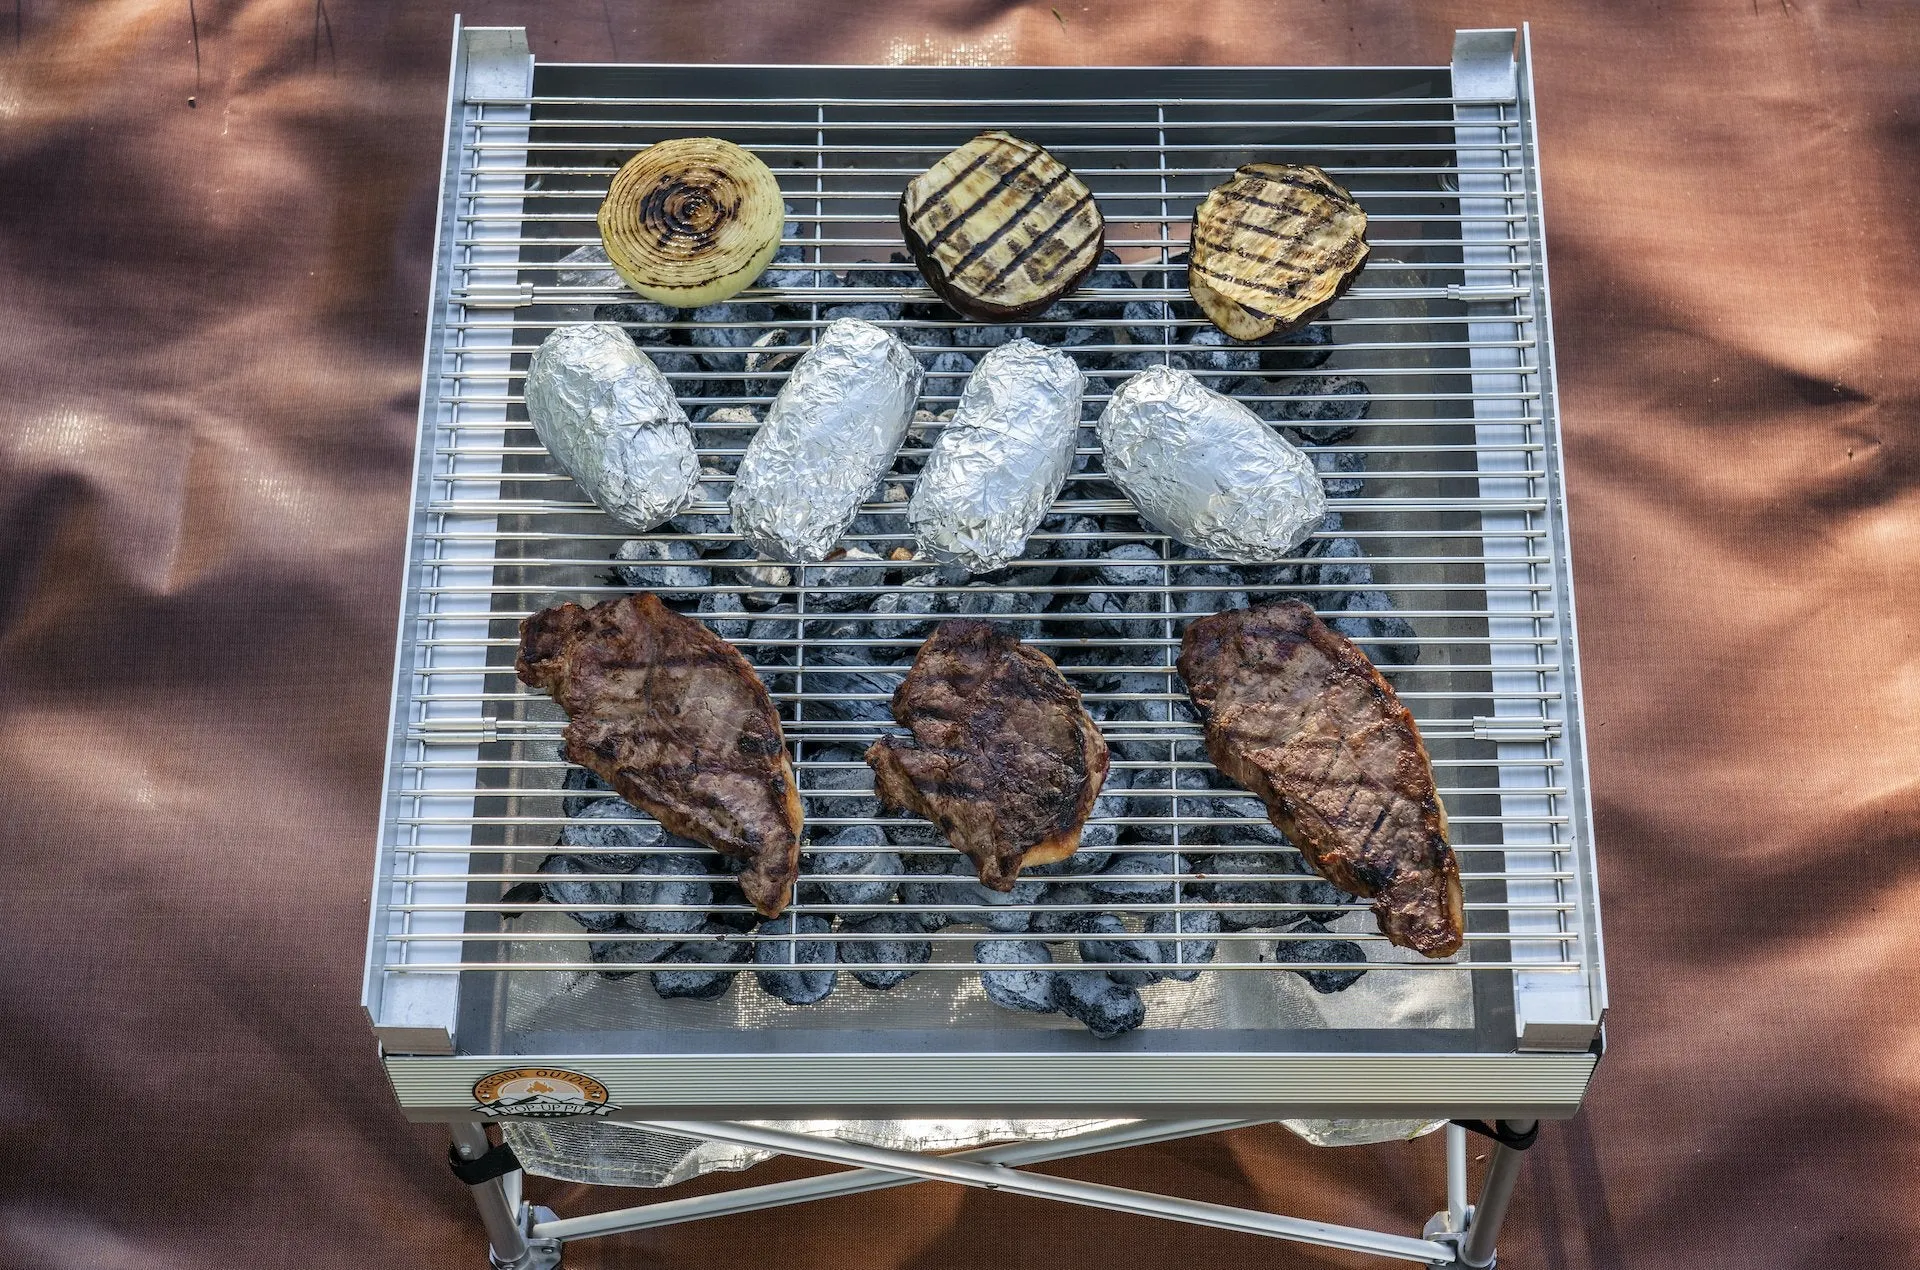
1484,67
499,63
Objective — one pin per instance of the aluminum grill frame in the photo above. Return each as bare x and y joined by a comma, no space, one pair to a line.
465,782
1464,520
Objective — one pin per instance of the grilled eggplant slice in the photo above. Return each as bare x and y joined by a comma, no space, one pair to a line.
1273,247
1000,228
691,221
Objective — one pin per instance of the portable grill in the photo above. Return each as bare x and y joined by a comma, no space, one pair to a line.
487,1004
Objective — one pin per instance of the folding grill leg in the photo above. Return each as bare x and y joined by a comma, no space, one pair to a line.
1503,1170
498,1199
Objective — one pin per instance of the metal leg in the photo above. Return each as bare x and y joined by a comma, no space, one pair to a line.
1503,1170
498,1199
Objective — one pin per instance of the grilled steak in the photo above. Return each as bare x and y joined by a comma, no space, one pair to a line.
1004,758
1299,716
674,719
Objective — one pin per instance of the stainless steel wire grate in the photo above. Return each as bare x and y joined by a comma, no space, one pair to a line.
1446,557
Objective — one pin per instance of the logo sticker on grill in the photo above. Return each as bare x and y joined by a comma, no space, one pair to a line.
540,1092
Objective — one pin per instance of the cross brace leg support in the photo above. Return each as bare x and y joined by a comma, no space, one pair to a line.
1040,1186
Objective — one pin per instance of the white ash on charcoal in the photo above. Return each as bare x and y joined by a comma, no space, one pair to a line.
1323,422
788,968
946,375
848,689
855,856
727,429
670,568
1136,877
772,353
770,581
844,568
578,898
579,780
1364,614
790,270
918,862
1223,582
726,334
874,309
1075,537
1134,572
1342,473
612,824
979,600
983,335
860,954
1331,949
587,267
1210,351
686,973
1104,1007
1066,910
1260,905
668,879
1174,955
644,322
837,783
725,616
910,612
1127,958
1024,985
765,655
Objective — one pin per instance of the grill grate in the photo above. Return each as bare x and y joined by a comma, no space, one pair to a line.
1447,549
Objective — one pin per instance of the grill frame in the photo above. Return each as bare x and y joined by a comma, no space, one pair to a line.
425,909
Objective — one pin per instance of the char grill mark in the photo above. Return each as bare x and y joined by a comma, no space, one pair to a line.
674,719
1272,247
1001,228
1297,714
1004,759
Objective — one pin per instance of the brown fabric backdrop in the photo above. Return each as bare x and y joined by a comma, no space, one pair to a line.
210,322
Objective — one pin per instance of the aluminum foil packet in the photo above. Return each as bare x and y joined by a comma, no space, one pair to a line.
609,419
1206,470
829,436
1000,463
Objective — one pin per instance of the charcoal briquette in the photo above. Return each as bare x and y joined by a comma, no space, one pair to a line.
1127,958
667,567
1093,998
1329,950
723,348
1298,350
1209,349
813,947
1141,877
558,867
859,953
1017,989
1066,910
1184,951
725,616
583,781
1342,473
844,568
847,855
611,822
644,322
1324,422
682,981
628,952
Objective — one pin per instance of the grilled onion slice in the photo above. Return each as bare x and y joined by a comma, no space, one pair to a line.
1000,228
691,221
1272,247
